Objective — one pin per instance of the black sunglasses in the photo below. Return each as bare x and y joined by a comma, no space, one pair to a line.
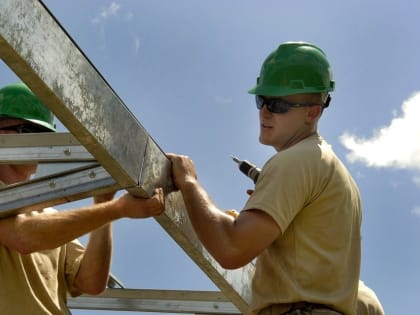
23,128
277,105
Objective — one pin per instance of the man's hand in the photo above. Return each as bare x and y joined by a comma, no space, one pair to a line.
103,197
183,169
135,207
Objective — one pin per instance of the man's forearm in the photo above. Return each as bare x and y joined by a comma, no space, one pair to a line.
94,269
232,240
27,233
212,226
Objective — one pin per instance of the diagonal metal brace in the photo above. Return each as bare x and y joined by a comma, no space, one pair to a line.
40,52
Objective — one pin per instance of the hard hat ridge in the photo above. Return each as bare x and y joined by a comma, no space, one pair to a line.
294,68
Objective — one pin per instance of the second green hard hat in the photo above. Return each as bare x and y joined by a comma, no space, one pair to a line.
294,68
18,101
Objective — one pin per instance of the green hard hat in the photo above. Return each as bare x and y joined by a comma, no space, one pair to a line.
18,101
294,68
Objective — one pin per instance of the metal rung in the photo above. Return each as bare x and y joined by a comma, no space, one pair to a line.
55,189
54,147
162,301
77,174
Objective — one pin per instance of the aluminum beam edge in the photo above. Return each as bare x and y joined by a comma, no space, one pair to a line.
161,301
34,45
40,52
234,284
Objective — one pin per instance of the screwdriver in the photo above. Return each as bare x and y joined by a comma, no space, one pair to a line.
249,169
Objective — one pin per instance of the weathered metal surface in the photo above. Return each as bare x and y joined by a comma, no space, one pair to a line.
69,172
56,189
235,284
42,147
48,61
156,169
162,301
39,51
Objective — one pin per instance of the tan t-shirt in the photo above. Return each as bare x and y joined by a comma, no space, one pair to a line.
316,203
38,283
367,302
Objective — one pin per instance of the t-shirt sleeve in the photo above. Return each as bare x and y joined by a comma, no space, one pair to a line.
281,189
74,255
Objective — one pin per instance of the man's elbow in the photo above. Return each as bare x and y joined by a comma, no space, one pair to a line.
231,261
24,247
93,288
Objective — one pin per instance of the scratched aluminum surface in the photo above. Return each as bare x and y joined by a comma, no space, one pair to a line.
156,169
37,49
235,284
46,59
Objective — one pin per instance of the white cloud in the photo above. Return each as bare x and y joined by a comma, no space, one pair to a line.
396,145
111,10
130,16
107,12
136,43
416,211
416,180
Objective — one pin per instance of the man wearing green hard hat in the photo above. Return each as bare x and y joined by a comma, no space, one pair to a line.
18,102
40,259
302,221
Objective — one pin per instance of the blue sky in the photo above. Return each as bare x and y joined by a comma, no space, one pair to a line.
184,67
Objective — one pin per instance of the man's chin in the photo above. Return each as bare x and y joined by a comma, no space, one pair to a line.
263,141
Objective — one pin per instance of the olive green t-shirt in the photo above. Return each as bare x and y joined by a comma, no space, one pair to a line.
38,283
316,203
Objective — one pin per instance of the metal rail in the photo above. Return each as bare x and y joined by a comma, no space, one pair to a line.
161,301
35,46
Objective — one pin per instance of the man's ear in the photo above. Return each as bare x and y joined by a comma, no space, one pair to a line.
313,113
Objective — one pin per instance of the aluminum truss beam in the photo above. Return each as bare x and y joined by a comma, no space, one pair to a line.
41,53
161,301
84,177
43,148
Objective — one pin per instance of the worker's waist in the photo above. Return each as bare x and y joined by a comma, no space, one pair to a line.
303,307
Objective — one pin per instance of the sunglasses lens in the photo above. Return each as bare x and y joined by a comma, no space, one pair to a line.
277,106
28,129
24,128
259,100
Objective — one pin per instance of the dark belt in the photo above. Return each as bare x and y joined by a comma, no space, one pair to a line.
307,306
